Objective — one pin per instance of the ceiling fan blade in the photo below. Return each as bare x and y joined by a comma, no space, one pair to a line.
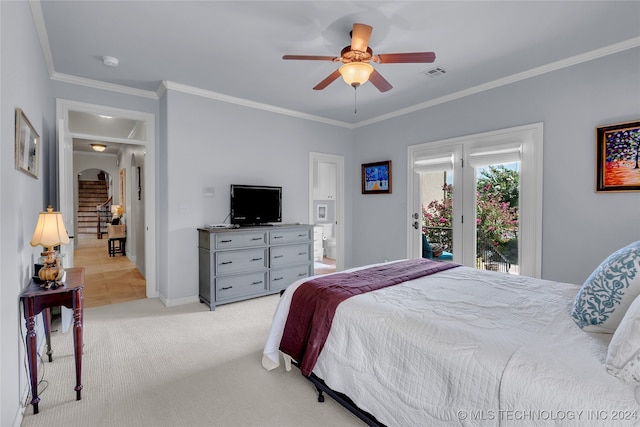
310,57
408,57
360,37
327,81
380,82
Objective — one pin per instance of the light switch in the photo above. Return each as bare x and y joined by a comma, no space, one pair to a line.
209,192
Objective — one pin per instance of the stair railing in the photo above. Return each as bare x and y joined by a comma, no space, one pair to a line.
103,212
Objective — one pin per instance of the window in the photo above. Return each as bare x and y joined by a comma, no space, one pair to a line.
480,197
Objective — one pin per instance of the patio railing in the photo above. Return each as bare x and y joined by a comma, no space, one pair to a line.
489,257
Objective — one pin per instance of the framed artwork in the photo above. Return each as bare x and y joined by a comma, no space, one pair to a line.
321,212
618,157
376,178
27,145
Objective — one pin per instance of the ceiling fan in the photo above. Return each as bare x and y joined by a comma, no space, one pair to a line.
355,58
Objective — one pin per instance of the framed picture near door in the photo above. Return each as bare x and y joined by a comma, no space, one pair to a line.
376,177
27,145
321,212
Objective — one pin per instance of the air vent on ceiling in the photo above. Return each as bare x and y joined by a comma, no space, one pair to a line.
434,72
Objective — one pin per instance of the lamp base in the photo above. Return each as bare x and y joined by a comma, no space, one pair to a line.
51,271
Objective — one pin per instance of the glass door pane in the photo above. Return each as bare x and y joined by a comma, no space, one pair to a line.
436,200
497,217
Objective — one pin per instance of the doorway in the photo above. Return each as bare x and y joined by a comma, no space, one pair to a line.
326,210
131,137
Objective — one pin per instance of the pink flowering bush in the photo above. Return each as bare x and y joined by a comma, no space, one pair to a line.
495,218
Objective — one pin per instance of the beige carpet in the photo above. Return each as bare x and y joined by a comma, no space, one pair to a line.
148,365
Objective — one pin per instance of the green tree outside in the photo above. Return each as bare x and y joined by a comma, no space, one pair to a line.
498,192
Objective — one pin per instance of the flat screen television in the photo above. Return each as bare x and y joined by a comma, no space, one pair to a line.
255,204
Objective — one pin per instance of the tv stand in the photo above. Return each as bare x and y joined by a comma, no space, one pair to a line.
252,261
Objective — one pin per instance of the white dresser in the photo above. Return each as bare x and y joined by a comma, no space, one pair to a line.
248,262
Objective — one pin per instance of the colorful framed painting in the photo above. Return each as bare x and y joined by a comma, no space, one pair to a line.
376,178
618,157
27,145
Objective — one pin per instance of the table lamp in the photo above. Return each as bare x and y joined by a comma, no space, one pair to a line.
50,232
116,211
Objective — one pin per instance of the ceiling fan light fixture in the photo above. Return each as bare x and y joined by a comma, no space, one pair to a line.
356,73
98,147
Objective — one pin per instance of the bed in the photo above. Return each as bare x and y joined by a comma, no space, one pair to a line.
460,346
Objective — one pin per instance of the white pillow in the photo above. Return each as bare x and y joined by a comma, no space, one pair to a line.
623,357
605,296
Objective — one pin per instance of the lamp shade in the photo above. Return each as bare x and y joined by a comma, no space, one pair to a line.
356,73
50,230
116,210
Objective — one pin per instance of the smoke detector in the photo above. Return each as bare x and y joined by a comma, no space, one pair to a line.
110,61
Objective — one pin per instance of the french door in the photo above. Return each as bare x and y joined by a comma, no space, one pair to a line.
479,197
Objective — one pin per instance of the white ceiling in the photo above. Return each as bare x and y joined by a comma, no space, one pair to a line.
233,50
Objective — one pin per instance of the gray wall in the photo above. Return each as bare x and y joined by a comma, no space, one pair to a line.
214,144
24,84
580,227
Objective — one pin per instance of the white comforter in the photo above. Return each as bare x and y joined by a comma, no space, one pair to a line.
438,350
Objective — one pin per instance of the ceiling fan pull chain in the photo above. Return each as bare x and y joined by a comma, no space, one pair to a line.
355,99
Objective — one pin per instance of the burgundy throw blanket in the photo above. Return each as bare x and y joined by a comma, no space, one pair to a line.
315,302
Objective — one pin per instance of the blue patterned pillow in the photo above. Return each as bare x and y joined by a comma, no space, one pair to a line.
606,295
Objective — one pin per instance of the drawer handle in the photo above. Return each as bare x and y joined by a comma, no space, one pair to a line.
278,237
302,275
278,256
257,238
302,253
226,262
256,259
277,278
256,283
226,241
302,235
226,288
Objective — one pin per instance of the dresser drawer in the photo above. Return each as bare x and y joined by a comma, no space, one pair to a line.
292,254
229,262
240,239
240,286
280,278
278,237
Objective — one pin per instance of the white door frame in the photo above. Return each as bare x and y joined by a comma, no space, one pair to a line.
63,107
531,139
314,158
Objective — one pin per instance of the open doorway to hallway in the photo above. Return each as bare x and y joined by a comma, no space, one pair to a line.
90,135
108,279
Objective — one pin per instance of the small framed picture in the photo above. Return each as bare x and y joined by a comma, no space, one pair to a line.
618,157
321,212
376,178
27,145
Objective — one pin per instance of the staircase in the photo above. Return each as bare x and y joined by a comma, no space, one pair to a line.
90,195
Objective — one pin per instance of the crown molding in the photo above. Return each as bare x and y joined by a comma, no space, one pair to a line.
36,11
554,66
96,84
41,29
248,103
